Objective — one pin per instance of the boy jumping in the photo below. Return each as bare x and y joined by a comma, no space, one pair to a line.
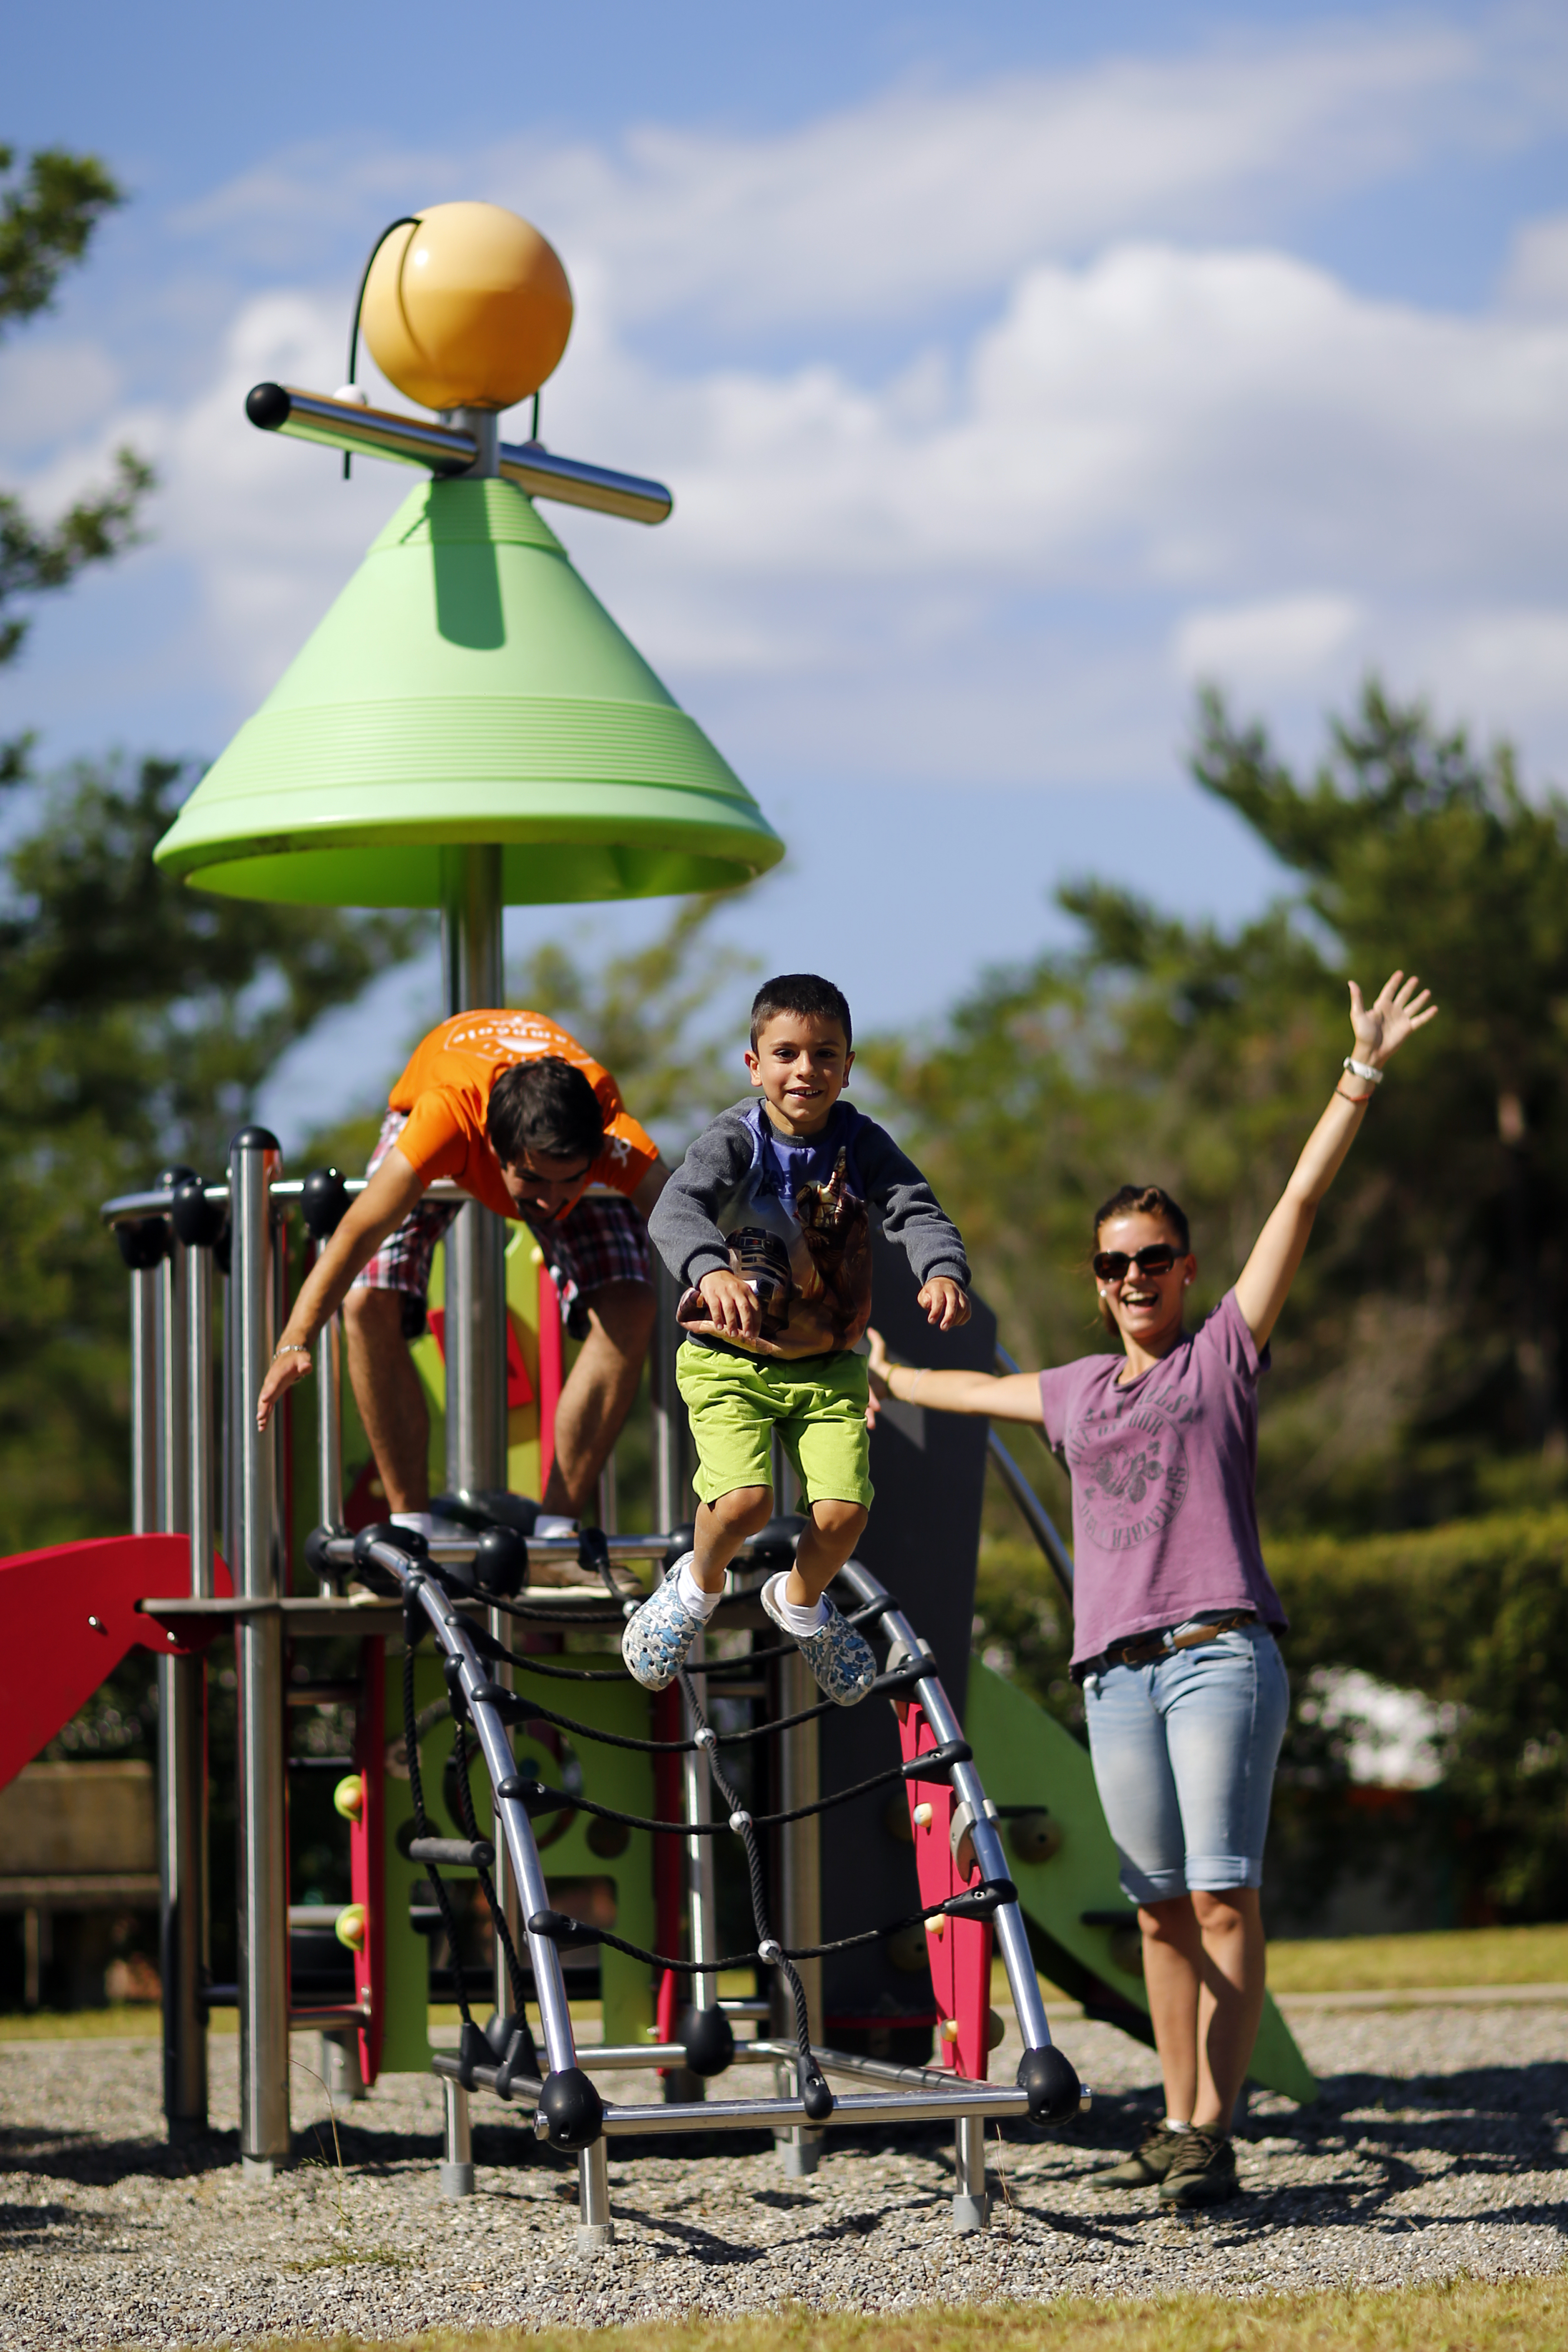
768,1220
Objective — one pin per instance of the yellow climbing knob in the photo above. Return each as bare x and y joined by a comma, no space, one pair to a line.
352,1925
348,1798
469,308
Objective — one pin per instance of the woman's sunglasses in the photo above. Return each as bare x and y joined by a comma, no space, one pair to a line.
1111,1266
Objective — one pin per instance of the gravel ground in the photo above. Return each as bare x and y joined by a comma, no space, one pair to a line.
1438,2146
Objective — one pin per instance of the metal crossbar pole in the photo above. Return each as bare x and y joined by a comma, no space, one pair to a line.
475,1331
264,2137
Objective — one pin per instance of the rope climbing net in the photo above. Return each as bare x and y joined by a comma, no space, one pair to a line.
503,2056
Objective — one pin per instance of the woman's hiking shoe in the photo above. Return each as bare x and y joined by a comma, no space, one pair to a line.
837,1656
1203,2170
1149,2161
659,1634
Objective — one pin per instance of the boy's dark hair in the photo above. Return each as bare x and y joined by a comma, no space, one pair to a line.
801,992
546,1108
1148,1200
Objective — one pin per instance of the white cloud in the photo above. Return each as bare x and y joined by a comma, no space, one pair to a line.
1536,277
1281,642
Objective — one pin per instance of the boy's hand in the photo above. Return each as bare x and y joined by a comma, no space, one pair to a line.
946,1303
731,1304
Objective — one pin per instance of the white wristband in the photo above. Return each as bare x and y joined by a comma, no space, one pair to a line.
1363,1070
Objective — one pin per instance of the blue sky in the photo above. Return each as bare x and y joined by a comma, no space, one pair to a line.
1014,369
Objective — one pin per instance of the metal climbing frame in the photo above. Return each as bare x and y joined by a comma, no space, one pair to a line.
170,1237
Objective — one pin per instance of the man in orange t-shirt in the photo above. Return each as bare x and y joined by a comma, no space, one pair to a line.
511,1109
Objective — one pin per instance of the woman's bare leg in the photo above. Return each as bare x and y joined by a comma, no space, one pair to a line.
1172,1979
1230,2003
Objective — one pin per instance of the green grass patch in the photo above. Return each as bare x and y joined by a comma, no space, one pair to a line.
1458,1956
1469,2315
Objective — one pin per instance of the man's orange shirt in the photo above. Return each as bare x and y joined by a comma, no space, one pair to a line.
446,1090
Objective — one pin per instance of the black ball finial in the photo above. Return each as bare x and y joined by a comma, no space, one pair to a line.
1050,2083
571,2110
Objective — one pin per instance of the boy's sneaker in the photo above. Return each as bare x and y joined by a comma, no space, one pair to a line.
837,1656
660,1633
1149,2161
1203,2170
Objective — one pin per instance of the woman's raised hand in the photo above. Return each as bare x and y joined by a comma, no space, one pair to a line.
1381,1027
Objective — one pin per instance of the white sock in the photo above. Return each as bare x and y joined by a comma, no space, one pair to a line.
551,1526
1172,2125
808,1617
693,1600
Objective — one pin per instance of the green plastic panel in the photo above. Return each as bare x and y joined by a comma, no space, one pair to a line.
467,686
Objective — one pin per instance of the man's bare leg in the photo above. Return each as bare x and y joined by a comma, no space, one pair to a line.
600,1391
389,1394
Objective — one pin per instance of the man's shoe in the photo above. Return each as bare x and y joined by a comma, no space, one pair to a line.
659,1634
1149,2162
1203,2170
837,1656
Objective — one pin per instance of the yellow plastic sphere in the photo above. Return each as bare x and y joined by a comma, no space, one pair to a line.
348,1797
351,1926
471,309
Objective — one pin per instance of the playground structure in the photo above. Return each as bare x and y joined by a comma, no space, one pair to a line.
468,728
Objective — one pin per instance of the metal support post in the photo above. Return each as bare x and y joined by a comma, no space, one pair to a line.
253,1160
971,2205
800,1783
330,1425
341,2067
144,1381
595,2230
672,1494
181,1769
699,1889
475,1334
458,2146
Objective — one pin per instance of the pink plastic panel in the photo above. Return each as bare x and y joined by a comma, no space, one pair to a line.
959,1950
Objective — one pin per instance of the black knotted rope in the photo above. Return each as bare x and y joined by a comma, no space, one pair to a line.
470,1828
421,1817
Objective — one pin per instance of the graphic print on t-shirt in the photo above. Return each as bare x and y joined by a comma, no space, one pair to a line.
1129,1467
799,1234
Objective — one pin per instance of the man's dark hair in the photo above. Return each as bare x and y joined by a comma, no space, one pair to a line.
545,1108
801,992
1149,1201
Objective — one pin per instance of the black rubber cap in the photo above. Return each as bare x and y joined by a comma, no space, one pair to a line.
681,1539
197,1221
167,1177
407,1540
501,1562
1050,2083
323,1203
316,1559
268,405
255,1139
709,2040
143,1243
773,1548
572,2110
815,2098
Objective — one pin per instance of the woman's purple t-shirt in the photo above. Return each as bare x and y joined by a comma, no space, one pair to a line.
1165,1473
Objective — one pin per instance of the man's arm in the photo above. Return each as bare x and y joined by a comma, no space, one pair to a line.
393,1189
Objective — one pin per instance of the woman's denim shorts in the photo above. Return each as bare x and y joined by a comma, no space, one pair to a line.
1185,1751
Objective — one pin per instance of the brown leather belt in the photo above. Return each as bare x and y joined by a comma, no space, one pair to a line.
1143,1649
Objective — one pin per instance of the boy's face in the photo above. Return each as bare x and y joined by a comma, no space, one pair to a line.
802,1065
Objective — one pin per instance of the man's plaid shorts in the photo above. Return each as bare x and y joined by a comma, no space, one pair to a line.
601,1240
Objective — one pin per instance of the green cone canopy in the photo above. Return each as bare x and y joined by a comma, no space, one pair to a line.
468,687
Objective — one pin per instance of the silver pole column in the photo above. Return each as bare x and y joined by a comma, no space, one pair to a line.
144,1287
671,1495
253,1160
800,1783
472,952
475,1332
180,1758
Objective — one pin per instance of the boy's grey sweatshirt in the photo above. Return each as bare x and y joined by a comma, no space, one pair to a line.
791,1218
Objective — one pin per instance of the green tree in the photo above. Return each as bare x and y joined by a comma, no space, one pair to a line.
49,209
1416,1365
138,1022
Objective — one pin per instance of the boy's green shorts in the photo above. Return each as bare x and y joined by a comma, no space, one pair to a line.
817,1405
